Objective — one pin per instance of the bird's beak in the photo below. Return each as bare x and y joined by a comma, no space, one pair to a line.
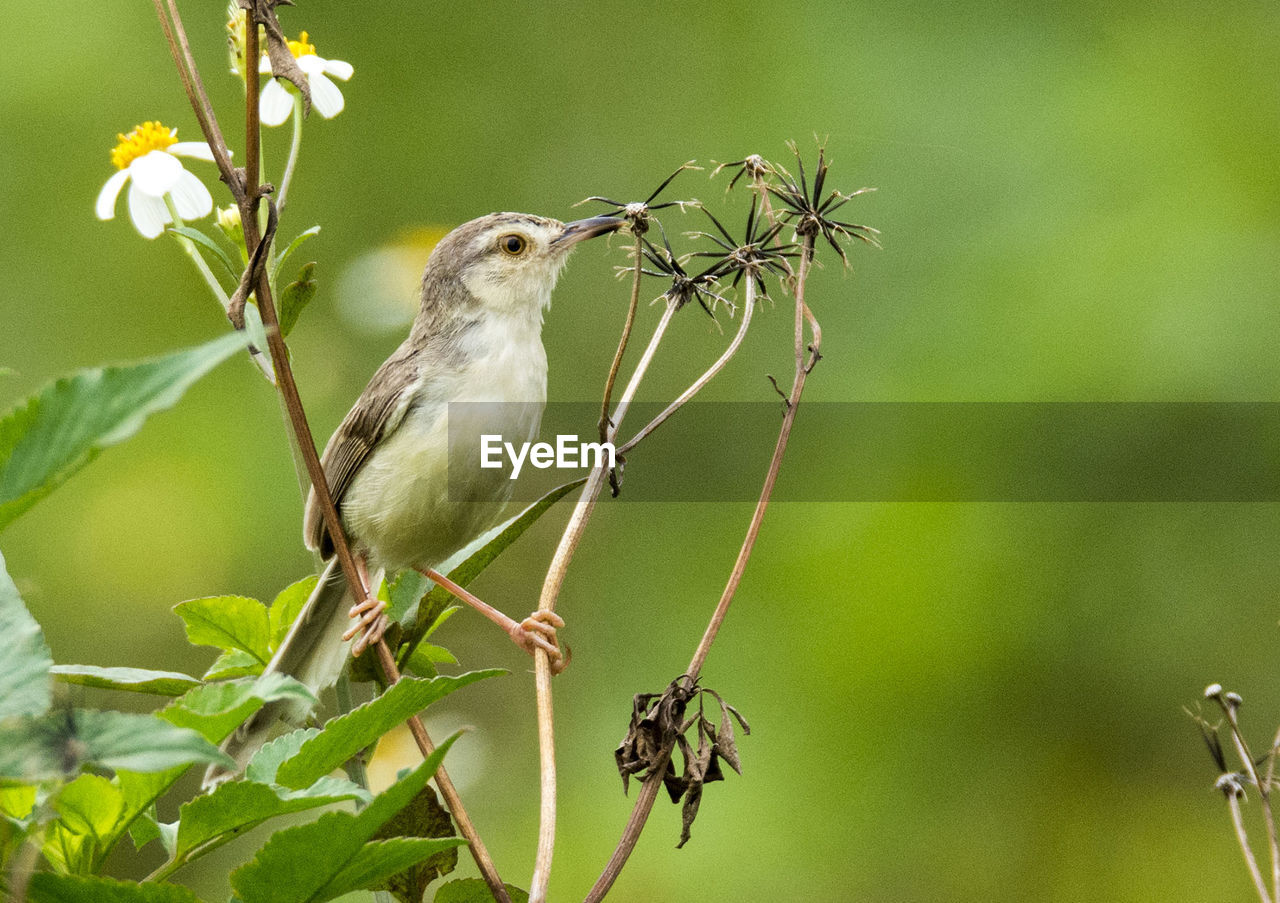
582,229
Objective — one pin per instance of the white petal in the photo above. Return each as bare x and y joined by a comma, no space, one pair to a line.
191,197
275,105
311,64
264,64
147,211
325,96
155,173
339,69
197,149
106,205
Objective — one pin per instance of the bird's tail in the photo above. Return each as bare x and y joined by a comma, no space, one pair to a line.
313,653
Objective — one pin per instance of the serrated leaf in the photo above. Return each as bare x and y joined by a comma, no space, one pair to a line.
266,761
384,859
215,710
286,606
209,245
228,623
146,828
344,736
474,890
55,432
57,744
424,817
236,806
302,864
295,296
89,811
47,887
475,558
25,687
424,659
134,680
232,664
293,246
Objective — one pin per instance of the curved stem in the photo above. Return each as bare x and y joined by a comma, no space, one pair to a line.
569,541
605,421
295,145
652,784
696,386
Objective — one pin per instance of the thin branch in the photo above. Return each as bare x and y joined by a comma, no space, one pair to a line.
1230,705
605,422
551,586
1237,820
649,791
248,200
696,386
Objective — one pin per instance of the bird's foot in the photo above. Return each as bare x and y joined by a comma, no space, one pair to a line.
370,627
538,631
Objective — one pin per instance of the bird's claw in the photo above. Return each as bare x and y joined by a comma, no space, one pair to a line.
538,631
370,627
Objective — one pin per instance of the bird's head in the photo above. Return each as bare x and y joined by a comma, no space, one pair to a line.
508,262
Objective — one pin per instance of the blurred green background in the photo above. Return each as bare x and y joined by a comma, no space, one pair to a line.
1079,202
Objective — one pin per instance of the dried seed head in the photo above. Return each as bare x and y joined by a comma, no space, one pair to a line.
1213,691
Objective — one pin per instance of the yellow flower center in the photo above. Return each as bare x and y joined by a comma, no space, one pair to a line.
301,47
141,141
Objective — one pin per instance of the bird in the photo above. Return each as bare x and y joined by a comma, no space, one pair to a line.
473,363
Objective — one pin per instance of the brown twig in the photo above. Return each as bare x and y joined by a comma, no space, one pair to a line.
1230,703
605,421
652,784
247,197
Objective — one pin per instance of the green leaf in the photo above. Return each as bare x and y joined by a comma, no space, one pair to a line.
346,735
327,857
234,663
135,680
293,246
211,246
89,809
47,887
383,860
266,761
25,687
295,296
424,817
57,744
215,710
286,607
18,800
227,623
423,660
474,890
46,439
236,806
487,548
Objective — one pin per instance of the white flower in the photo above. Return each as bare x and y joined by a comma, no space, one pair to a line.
148,159
277,103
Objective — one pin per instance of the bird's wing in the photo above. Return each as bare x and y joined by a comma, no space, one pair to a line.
373,417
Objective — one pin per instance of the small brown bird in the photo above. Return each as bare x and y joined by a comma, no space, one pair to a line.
409,493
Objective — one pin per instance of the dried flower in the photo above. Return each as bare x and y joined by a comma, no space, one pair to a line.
810,215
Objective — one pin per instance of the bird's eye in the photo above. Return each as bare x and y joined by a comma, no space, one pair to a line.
513,244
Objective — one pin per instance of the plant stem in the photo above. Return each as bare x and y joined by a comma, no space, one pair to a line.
248,200
295,145
626,337
1264,792
1237,821
551,586
649,790
696,386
